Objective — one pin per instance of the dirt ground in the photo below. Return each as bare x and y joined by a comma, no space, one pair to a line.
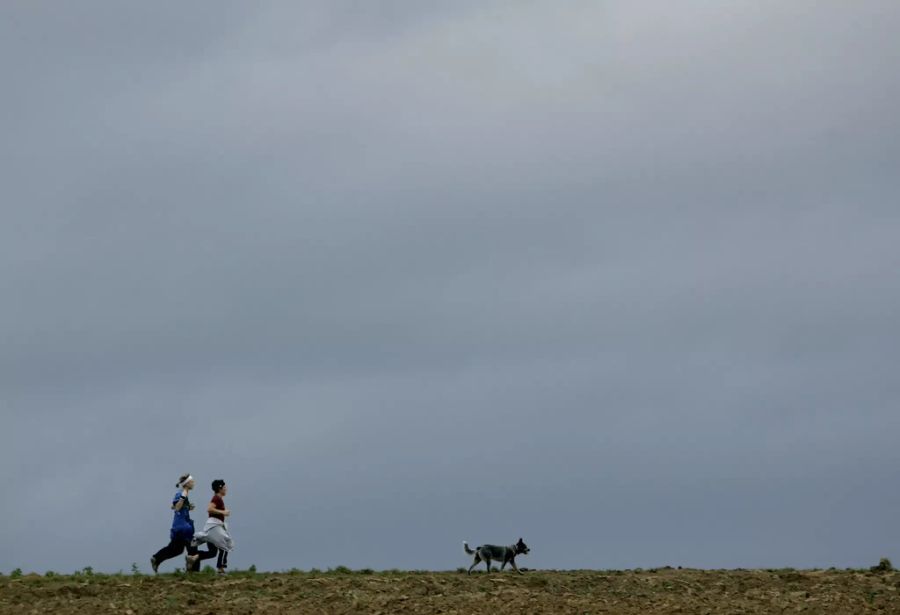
627,592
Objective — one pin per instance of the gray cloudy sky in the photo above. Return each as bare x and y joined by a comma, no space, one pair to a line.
620,278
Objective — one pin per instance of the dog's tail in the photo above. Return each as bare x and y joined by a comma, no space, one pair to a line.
467,549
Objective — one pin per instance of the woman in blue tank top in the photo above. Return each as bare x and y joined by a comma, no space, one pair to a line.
182,531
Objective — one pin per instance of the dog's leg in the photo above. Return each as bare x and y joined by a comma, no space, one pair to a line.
503,565
487,562
475,563
512,562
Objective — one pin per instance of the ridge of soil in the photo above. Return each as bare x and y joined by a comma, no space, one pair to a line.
744,592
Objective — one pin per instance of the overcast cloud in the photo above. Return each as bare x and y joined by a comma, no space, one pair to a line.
620,278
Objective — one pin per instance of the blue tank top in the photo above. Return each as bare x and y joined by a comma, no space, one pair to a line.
182,524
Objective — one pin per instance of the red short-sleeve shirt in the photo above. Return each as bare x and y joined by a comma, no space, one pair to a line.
218,503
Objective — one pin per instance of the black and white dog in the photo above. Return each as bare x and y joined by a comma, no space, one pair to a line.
487,553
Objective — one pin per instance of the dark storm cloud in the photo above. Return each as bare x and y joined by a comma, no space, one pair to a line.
618,278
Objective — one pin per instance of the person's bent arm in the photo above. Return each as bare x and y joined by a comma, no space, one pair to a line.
219,511
177,505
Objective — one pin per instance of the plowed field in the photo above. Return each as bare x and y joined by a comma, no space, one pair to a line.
628,592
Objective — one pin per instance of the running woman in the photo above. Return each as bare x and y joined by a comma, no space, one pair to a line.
182,525
215,532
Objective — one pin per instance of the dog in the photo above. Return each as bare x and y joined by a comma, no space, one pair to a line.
487,553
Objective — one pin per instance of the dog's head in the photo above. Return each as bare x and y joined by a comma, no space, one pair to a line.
521,547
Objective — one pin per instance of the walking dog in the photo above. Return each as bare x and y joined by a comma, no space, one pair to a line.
488,553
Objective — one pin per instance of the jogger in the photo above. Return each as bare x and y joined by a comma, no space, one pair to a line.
182,525
215,532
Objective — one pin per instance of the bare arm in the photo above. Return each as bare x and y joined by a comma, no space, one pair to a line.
219,511
177,505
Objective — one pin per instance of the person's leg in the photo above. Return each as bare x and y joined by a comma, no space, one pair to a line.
175,547
193,557
222,560
211,551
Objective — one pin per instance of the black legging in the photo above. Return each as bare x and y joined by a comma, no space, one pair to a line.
212,551
175,547
222,562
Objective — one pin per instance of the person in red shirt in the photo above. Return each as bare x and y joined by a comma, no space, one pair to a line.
215,532
216,508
